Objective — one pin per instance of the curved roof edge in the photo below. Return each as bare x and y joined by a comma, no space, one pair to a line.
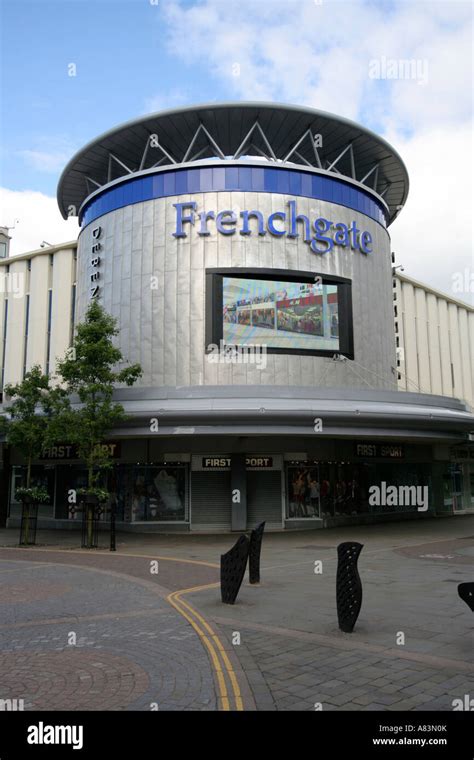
125,137
281,410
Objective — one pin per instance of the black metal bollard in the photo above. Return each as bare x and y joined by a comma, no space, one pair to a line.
348,585
233,565
466,592
255,549
113,546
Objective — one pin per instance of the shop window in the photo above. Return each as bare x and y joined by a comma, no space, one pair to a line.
70,478
469,474
412,481
41,477
323,489
152,493
304,491
337,489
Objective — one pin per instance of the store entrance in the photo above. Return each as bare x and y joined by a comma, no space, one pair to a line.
462,476
458,487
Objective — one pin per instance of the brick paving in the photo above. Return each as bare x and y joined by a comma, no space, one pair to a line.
171,575
294,656
134,650
298,675
130,651
70,679
16,593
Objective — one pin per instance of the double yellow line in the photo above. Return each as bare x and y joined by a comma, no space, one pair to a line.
229,699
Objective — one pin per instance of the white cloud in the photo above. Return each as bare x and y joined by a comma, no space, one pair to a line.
43,161
432,237
171,99
48,154
318,55
39,219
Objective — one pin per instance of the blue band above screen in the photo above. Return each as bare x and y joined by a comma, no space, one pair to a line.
232,178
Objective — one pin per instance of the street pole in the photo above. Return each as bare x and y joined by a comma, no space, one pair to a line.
113,547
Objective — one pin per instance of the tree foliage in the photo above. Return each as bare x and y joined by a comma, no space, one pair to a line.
30,420
89,371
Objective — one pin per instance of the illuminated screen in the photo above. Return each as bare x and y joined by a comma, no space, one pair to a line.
280,315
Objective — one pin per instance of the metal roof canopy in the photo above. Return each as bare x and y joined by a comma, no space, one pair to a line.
285,410
281,134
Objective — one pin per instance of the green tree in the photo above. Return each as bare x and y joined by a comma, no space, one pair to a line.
89,371
28,423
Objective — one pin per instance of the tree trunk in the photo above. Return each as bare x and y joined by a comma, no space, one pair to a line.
27,507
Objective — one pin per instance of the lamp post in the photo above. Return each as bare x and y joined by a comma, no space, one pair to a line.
113,547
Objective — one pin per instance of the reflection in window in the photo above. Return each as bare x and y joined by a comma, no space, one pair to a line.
336,489
152,493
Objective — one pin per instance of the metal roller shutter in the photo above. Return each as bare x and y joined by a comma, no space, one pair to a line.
211,505
264,498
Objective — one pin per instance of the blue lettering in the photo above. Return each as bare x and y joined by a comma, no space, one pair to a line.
271,227
294,219
180,219
365,241
342,235
204,216
221,220
322,225
327,234
246,215
354,232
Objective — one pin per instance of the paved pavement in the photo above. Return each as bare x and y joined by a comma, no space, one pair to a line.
93,640
143,643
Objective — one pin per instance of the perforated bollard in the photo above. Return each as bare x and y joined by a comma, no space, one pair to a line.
348,585
466,592
233,565
255,549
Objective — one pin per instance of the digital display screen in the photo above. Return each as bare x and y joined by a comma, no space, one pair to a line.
280,314
279,311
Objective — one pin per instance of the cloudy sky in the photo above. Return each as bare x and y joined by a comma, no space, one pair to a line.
136,56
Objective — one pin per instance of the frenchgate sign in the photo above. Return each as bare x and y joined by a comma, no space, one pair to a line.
321,234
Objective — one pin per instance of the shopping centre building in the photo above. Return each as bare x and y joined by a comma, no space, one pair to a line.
288,367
